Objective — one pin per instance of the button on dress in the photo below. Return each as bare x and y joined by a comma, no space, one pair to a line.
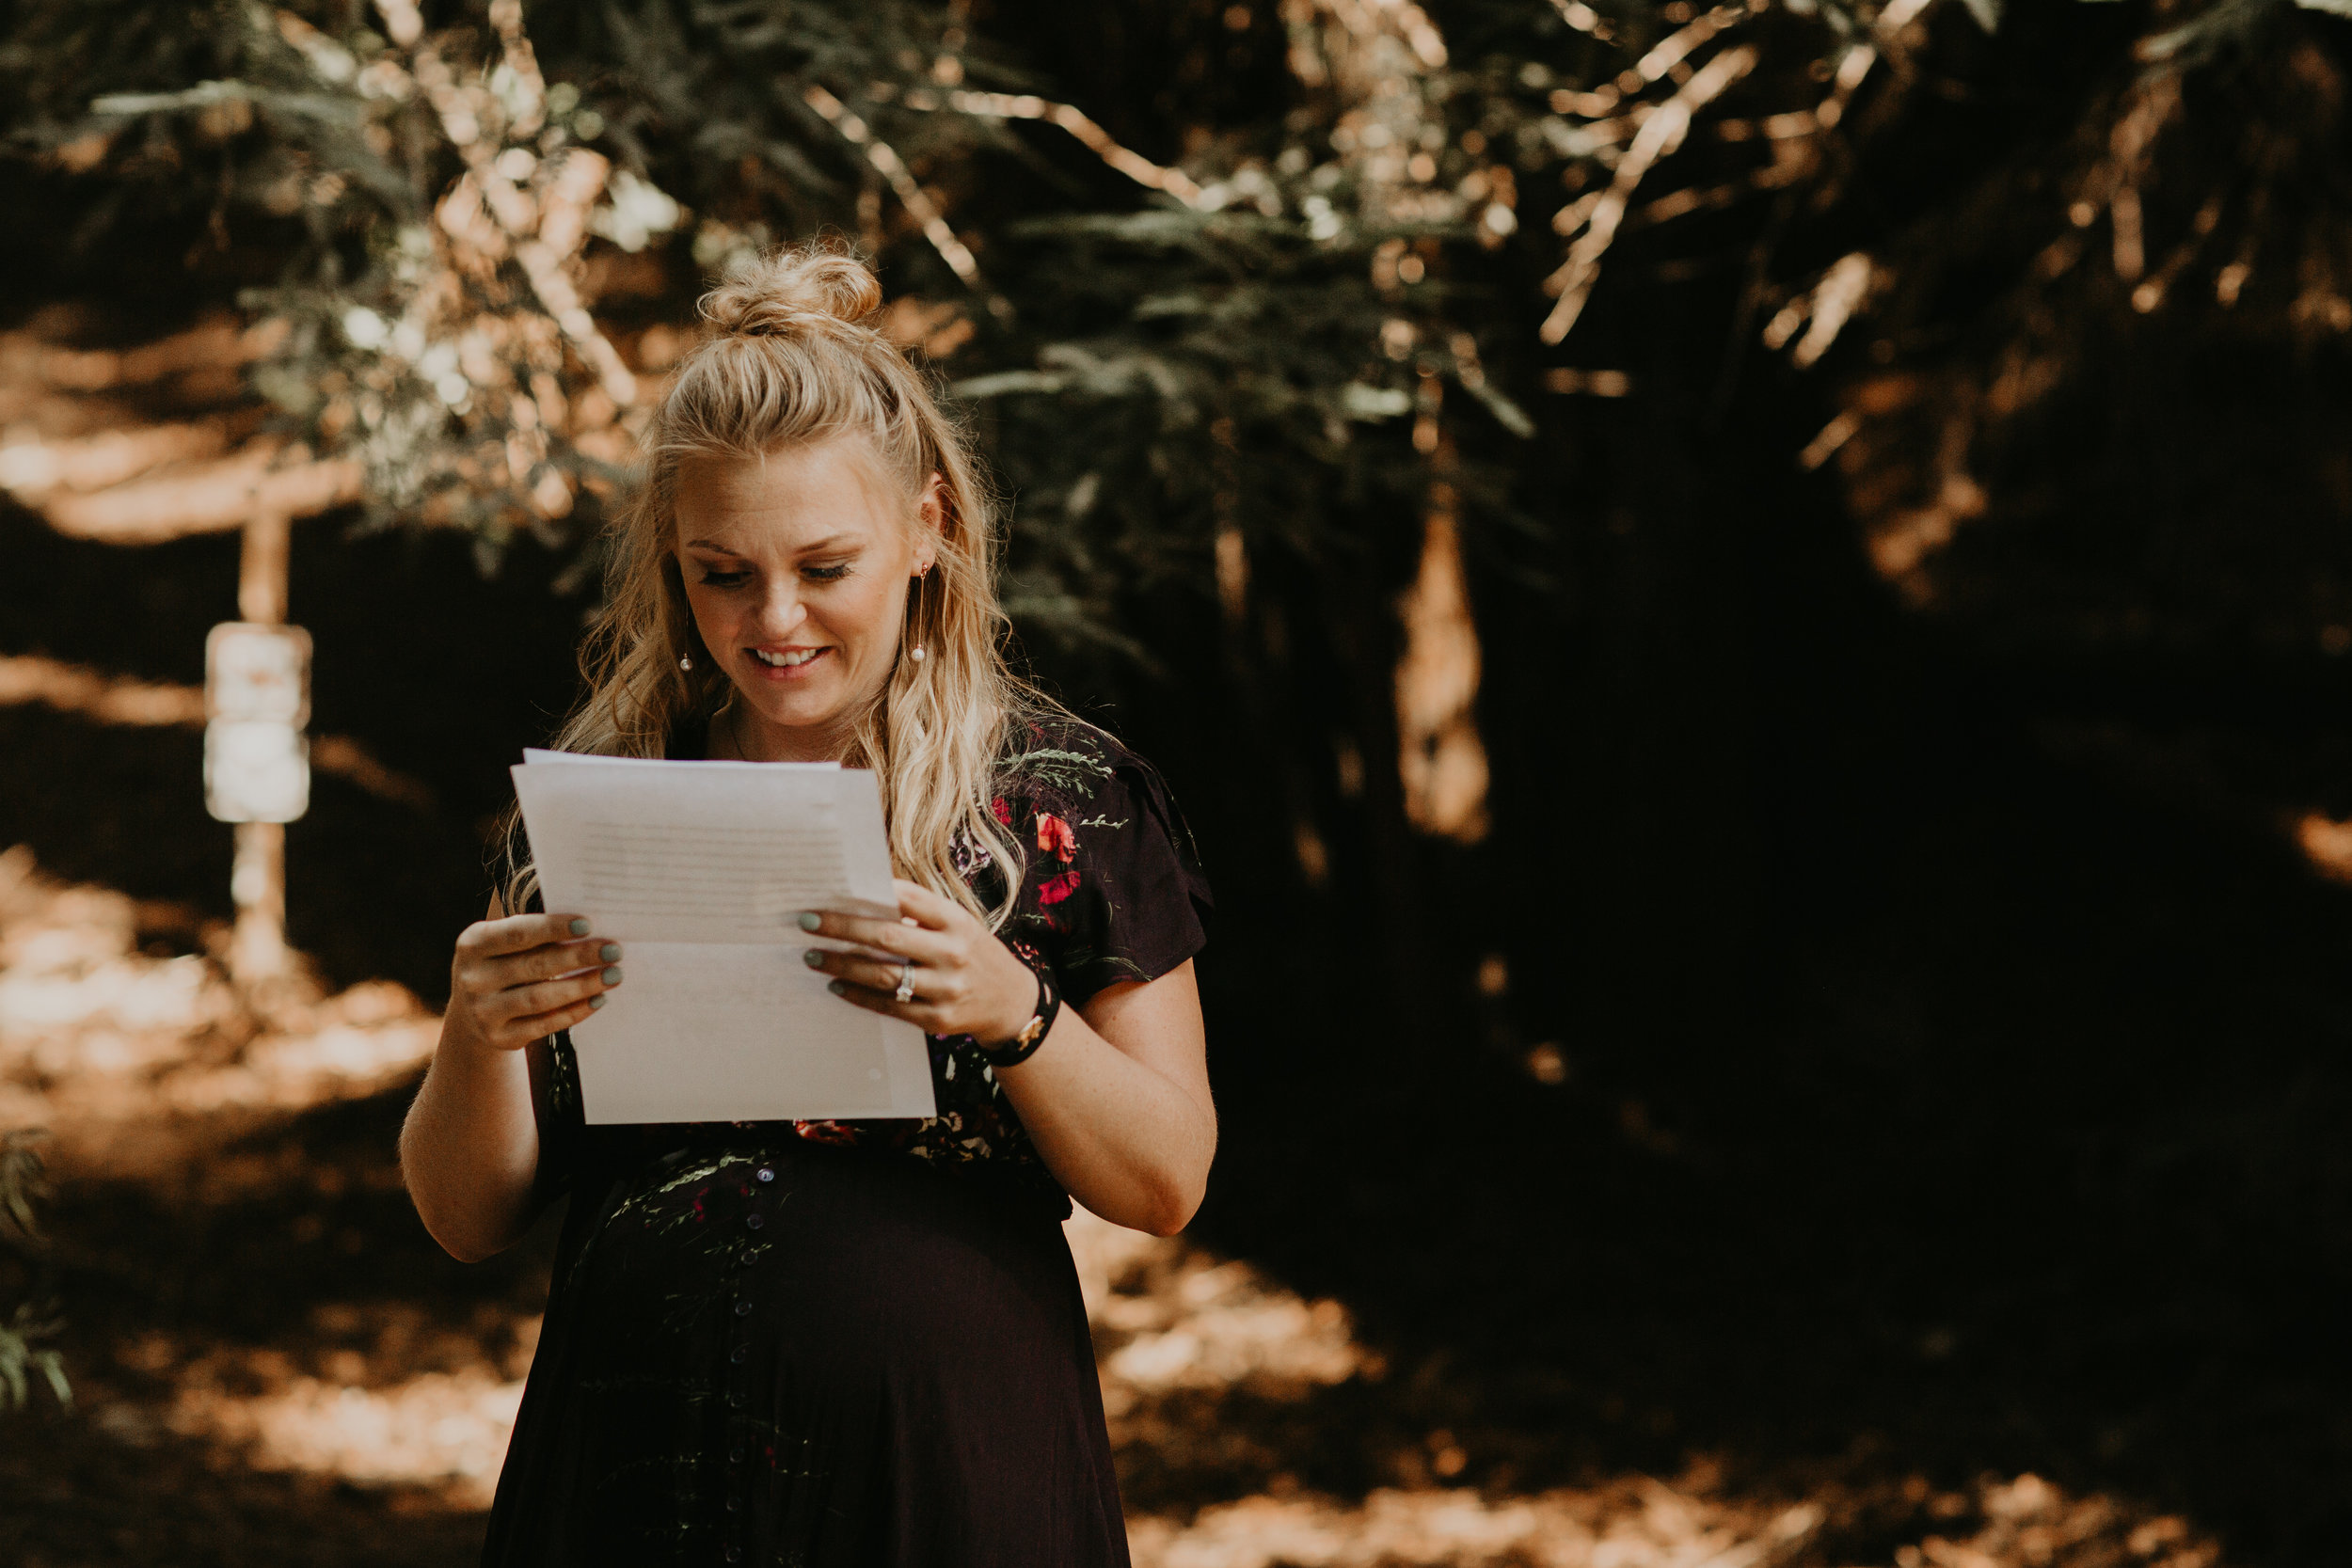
851,1343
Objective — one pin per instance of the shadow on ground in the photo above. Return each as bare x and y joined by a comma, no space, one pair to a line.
2011,1144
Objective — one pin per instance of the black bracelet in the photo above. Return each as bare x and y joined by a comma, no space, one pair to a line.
1023,1045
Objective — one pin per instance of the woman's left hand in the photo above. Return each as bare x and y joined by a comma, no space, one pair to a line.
964,980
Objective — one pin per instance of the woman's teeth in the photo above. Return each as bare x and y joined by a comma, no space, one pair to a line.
792,660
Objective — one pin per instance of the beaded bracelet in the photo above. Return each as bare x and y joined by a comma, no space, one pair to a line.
1023,1045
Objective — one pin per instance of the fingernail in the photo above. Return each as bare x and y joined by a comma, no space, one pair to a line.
579,928
840,987
810,920
611,976
814,958
596,1002
609,952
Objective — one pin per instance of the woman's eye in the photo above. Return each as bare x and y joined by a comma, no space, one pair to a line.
826,574
725,580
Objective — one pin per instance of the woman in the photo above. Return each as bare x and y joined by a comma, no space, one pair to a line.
853,1343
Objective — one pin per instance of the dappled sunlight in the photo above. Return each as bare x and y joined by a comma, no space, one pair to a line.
1191,1347
1167,1316
1440,759
2327,844
126,1050
96,464
119,1031
447,1430
348,1402
1617,1528
74,688
93,694
1641,1523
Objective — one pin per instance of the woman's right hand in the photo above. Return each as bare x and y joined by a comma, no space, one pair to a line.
522,978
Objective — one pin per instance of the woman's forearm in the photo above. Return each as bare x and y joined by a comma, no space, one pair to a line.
1116,1097
470,1148
1125,1139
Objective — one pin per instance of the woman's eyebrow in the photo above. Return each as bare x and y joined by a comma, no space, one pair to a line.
831,541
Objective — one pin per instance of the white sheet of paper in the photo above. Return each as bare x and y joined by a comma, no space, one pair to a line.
700,868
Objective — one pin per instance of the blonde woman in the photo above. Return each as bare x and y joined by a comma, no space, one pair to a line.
835,1344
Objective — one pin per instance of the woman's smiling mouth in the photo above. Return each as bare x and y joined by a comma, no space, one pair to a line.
787,661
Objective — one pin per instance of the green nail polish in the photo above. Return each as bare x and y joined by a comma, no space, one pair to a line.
811,920
609,952
596,1002
611,976
840,987
579,928
814,958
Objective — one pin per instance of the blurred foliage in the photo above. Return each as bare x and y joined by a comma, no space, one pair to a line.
26,1325
483,224
447,193
1245,299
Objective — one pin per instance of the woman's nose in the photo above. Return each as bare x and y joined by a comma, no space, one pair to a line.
781,613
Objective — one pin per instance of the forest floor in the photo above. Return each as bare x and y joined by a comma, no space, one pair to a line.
273,1365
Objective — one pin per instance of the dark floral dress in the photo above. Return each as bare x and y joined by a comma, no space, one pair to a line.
851,1343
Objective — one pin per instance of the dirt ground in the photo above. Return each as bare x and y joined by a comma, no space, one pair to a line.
274,1365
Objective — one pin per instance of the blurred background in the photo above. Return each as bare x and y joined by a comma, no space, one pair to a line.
1752,607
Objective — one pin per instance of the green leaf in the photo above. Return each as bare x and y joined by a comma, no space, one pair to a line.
1374,404
1005,383
307,106
1509,415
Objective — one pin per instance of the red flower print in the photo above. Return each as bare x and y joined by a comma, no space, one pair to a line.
1002,812
1055,835
1059,888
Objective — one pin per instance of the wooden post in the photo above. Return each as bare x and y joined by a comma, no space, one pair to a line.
257,880
261,569
257,885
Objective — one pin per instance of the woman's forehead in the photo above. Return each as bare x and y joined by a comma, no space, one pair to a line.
830,487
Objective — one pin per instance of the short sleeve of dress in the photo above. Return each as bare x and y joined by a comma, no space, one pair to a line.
1113,889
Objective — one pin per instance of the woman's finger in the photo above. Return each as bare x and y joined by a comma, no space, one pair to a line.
921,1013
539,1027
487,977
889,936
930,984
517,932
928,908
558,959
528,1001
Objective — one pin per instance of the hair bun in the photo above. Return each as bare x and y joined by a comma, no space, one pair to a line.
791,291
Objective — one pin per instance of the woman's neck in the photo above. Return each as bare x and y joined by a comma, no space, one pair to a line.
740,734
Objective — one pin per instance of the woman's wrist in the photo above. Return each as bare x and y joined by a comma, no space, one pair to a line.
1020,1042
1011,992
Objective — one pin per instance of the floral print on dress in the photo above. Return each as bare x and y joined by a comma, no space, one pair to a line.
1111,890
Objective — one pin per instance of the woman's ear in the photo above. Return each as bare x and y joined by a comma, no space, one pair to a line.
933,512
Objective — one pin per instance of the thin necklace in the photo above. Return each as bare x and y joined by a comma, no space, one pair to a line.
725,726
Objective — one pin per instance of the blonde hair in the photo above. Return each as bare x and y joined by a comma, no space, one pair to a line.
794,357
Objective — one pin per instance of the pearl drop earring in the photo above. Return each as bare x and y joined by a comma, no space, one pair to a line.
915,653
685,662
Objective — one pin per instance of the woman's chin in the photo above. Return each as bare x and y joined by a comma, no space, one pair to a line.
813,711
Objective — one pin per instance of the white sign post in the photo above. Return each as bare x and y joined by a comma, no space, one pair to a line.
257,698
257,761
